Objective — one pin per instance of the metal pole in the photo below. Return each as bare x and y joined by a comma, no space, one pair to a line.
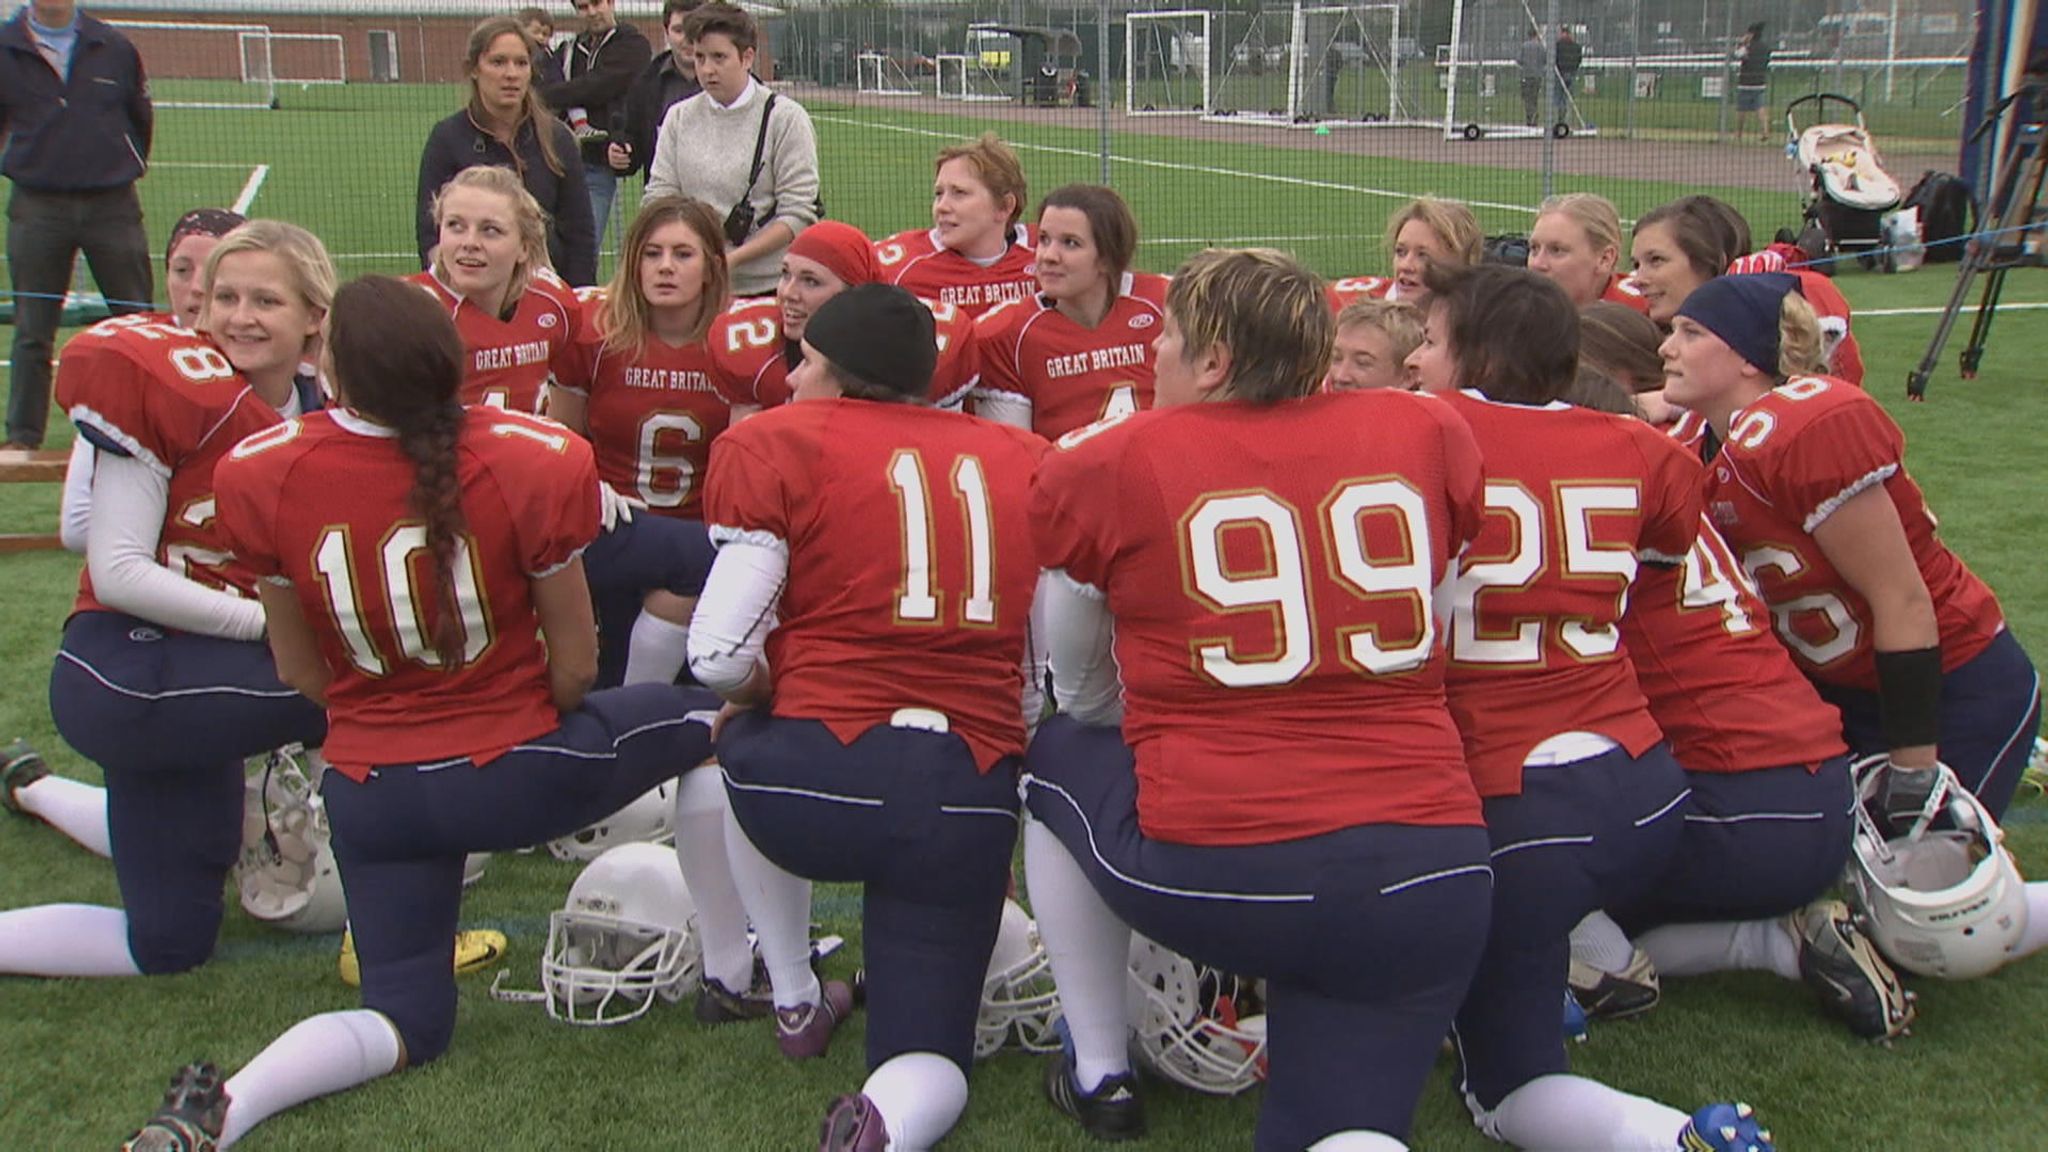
1635,55
1102,80
1728,74
1891,50
1551,111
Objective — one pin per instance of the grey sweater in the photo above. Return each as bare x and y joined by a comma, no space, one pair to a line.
704,151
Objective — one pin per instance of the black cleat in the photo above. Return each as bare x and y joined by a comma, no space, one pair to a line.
1113,1112
190,1118
1843,968
20,767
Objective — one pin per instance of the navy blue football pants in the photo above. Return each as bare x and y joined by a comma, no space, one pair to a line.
645,554
169,717
401,835
906,814
1367,937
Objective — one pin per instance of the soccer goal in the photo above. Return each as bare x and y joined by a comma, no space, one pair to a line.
879,75
205,65
1345,67
295,57
1484,97
964,77
1166,63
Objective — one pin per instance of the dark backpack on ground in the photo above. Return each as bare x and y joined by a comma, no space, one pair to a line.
1947,212
1511,249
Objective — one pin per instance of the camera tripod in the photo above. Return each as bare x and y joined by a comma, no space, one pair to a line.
2000,246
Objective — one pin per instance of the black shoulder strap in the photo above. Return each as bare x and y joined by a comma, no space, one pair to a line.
760,146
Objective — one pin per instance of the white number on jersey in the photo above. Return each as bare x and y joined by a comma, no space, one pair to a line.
1522,643
917,601
1847,633
400,564
663,479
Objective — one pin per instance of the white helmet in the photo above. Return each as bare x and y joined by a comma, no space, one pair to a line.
286,874
626,937
473,867
1198,1027
1949,902
649,819
1018,999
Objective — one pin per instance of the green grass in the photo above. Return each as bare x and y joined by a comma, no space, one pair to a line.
85,1061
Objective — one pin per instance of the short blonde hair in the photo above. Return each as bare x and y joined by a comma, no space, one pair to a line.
1268,310
527,216
1452,222
1398,321
995,164
304,256
1802,351
1594,214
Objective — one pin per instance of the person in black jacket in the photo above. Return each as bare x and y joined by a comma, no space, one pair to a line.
1570,56
669,79
506,125
600,65
76,115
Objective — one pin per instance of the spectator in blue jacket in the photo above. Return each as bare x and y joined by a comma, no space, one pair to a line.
75,111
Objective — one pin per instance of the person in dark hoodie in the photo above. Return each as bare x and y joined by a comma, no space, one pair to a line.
600,66
669,79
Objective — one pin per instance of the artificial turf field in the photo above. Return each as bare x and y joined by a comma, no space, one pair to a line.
81,1063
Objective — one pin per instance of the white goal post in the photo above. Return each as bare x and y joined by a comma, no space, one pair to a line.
261,52
1166,63
879,75
1326,41
158,41
964,77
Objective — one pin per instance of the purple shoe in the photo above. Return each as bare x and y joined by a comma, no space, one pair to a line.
852,1124
804,1033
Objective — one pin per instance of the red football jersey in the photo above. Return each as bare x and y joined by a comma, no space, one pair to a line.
1344,291
1794,456
914,260
1623,289
171,400
1271,573
511,361
750,357
1576,501
1073,376
1722,688
324,504
650,417
936,622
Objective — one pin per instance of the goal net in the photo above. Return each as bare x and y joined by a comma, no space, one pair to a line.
294,57
1346,67
1166,63
880,75
205,65
964,77
1485,93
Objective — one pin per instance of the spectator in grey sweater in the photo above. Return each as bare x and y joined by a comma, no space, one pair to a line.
1532,60
706,148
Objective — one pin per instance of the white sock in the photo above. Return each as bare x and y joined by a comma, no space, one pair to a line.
1563,1113
657,650
1358,1141
66,940
920,1096
318,1055
779,904
1598,941
1696,949
2035,937
700,849
1090,950
76,809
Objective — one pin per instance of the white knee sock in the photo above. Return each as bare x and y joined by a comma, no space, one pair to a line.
1573,1114
700,849
779,904
1090,950
318,1055
1695,949
920,1096
76,809
1358,1142
1600,942
657,651
2036,936
66,940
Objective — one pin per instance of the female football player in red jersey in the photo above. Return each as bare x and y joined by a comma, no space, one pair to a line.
1081,349
490,272
1584,802
1422,232
977,253
886,707
413,553
162,679
1374,338
1576,241
1312,870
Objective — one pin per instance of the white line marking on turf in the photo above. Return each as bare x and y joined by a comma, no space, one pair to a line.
249,189
1267,177
2003,306
198,164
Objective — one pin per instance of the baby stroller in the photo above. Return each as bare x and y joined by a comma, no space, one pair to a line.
1848,193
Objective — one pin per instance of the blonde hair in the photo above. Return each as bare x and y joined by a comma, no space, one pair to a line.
1398,321
995,164
625,315
527,216
1801,349
1452,222
1593,213
1268,310
304,257
1621,342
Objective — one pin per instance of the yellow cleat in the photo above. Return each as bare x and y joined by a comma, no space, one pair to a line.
475,950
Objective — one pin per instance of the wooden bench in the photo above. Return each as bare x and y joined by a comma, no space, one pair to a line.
20,467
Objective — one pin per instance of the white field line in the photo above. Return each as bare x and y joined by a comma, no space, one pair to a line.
2003,306
251,187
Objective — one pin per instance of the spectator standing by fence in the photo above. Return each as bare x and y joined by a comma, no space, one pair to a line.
1532,60
598,67
668,80
1570,55
1753,80
75,110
